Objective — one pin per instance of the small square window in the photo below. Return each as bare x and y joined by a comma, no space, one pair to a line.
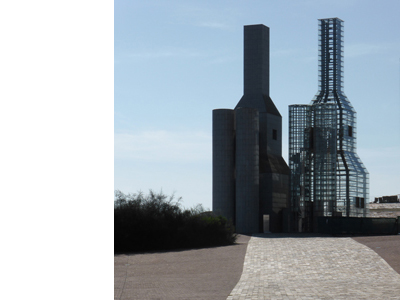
274,134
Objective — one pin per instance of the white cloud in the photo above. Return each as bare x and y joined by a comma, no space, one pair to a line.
299,54
223,59
174,161
215,25
284,52
354,50
343,4
384,156
161,145
166,53
383,165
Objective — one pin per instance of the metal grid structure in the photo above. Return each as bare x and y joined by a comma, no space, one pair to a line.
328,178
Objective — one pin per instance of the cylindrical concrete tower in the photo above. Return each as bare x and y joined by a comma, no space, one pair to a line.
224,163
247,170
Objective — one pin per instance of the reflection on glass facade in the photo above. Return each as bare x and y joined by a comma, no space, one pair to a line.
328,177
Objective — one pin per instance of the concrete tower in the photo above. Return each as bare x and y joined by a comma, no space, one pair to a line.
250,177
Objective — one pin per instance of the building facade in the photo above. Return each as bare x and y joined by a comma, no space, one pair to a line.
327,176
250,177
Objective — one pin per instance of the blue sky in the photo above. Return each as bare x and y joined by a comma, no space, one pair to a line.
176,61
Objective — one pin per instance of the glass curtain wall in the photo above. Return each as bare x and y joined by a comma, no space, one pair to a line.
327,174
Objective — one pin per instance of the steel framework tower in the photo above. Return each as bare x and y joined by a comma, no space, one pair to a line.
327,176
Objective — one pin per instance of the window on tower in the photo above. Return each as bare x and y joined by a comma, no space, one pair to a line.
350,131
274,134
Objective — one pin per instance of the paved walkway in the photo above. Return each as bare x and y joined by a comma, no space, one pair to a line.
281,267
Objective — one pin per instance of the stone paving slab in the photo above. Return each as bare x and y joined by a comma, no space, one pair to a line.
279,267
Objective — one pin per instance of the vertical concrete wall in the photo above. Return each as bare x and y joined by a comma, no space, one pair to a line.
274,174
247,170
274,123
269,145
256,59
274,199
223,148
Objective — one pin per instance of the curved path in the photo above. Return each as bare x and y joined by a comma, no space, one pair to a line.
310,267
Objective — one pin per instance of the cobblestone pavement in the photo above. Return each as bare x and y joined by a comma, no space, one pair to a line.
281,267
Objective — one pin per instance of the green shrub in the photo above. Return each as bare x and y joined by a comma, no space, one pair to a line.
157,222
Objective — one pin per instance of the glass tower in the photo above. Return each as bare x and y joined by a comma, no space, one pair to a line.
327,176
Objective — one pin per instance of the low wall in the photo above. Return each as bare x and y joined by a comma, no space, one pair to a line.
362,226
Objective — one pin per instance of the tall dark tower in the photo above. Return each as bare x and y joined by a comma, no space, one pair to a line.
250,177
328,178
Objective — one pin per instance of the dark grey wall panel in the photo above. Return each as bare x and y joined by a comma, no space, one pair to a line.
247,170
223,143
256,59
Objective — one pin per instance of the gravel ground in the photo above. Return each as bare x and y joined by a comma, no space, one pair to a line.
209,273
387,246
